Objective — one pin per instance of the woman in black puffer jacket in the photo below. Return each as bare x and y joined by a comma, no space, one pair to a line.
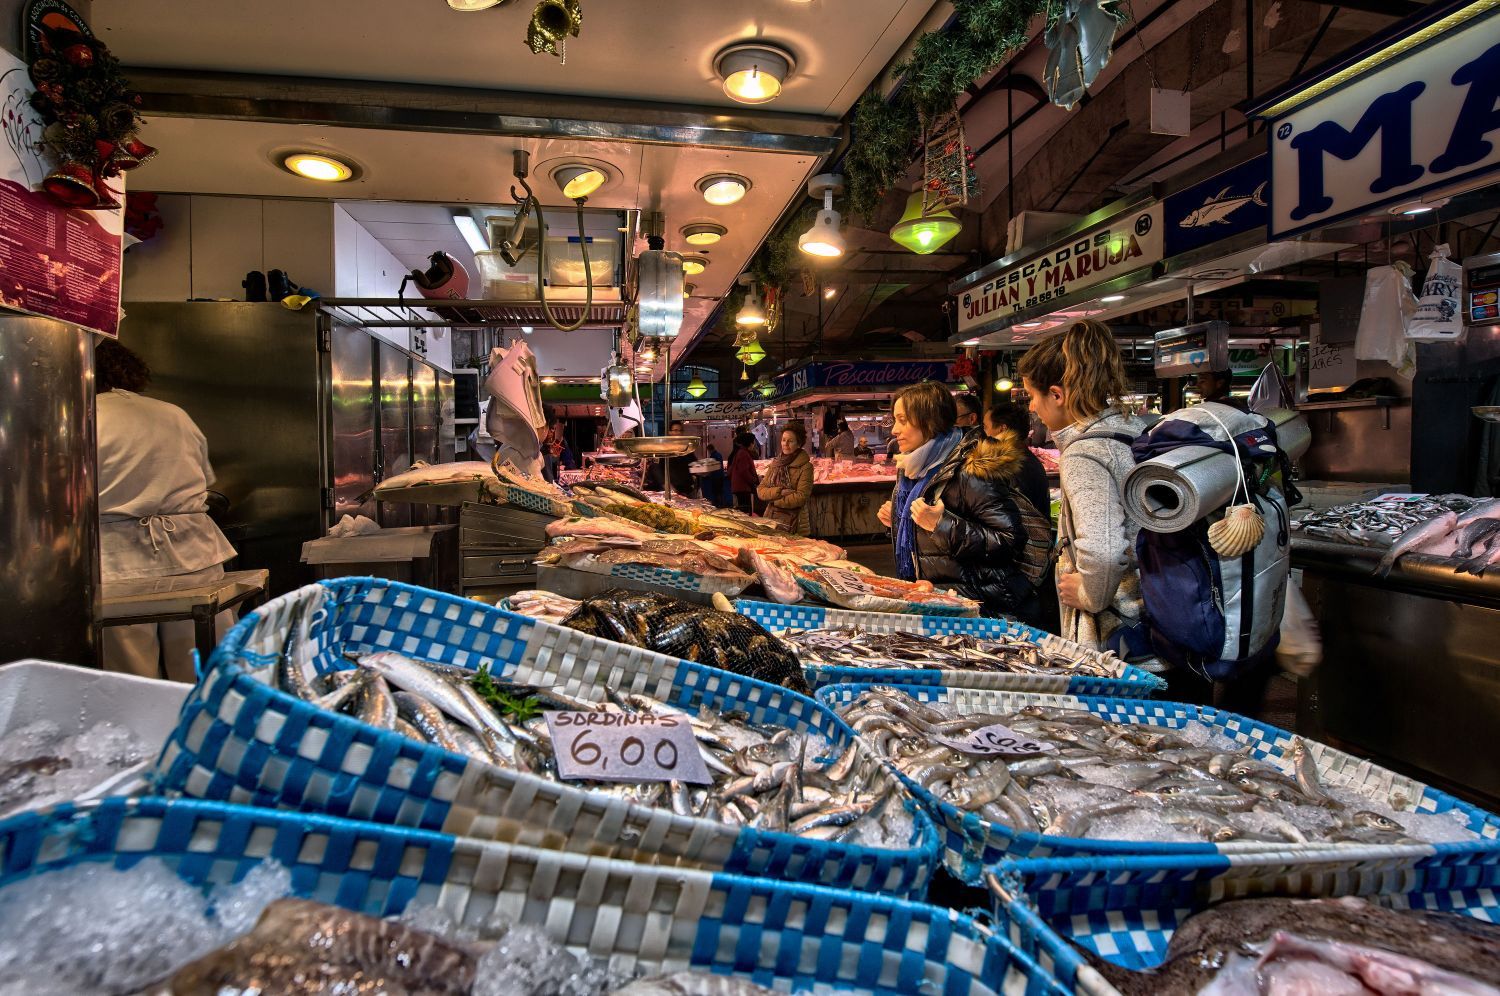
968,528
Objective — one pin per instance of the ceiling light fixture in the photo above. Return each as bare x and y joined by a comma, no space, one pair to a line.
829,292
578,180
1412,208
687,289
823,238
751,312
1028,325
317,166
753,72
472,4
549,380
721,189
469,229
924,232
527,330
1005,384
703,235
696,387
751,353
1111,298
694,265
971,342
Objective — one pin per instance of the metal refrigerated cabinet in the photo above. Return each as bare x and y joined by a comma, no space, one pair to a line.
303,417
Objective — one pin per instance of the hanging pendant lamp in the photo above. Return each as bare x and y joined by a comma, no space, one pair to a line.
696,387
924,233
751,353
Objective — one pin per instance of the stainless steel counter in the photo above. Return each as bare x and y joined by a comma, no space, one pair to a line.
1411,665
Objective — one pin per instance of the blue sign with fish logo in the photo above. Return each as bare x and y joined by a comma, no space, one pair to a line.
1228,203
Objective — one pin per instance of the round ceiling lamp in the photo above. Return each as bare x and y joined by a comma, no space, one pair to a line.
753,72
703,234
721,189
696,387
317,166
472,4
694,265
824,238
924,233
578,180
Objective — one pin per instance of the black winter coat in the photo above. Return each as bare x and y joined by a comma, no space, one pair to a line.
975,547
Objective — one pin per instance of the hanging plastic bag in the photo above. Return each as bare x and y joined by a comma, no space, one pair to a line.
1437,318
1301,648
1385,317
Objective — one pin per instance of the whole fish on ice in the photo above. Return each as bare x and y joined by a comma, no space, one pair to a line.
1418,536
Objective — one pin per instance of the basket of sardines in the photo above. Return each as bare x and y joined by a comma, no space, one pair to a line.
380,701
837,646
1258,923
1016,774
186,897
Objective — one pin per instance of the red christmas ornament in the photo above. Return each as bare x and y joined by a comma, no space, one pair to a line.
104,197
72,184
79,55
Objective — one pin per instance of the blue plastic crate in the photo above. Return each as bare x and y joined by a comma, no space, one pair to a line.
1129,682
640,920
1125,909
970,843
240,740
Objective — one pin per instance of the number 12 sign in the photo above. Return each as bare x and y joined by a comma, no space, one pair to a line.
626,747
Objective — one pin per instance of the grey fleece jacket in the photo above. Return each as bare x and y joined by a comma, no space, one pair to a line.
1097,540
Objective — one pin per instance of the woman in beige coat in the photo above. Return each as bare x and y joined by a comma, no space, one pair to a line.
789,482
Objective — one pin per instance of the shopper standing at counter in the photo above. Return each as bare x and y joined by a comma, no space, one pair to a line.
743,479
1005,417
789,482
1075,381
967,406
153,511
953,517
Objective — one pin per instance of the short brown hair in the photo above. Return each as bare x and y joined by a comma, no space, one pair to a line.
929,406
797,429
115,366
1084,361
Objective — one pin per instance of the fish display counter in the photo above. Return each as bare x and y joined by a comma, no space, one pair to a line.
1406,591
846,495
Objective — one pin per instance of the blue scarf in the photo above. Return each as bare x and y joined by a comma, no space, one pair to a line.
920,467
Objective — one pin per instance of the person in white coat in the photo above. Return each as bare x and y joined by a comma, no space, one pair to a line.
154,529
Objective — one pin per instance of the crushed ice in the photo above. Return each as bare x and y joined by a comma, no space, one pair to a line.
40,766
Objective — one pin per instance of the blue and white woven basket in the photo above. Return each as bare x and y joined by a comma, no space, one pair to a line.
1125,909
640,920
240,740
970,843
1128,682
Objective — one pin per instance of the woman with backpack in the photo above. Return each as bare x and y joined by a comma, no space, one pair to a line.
1076,380
954,516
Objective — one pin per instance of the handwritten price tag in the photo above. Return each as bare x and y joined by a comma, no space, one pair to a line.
996,739
845,582
626,747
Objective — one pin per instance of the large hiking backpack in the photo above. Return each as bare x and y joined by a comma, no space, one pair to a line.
1218,616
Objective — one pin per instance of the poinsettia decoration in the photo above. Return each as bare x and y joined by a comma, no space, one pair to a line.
142,217
90,118
963,367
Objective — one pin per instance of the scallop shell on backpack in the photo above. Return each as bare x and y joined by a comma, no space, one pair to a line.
1238,533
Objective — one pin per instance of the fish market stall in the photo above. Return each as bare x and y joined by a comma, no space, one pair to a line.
846,495
1406,589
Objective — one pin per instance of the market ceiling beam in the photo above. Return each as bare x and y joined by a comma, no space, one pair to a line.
459,110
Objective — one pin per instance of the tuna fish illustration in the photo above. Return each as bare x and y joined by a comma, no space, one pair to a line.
1217,209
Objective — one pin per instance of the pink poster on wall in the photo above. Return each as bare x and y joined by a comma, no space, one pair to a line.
54,261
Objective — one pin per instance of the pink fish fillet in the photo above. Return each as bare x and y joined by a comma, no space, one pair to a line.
1367,969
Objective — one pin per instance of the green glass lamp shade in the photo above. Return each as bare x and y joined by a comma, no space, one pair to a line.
751,353
696,387
921,233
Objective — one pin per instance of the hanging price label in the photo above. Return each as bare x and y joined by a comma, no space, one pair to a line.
626,747
845,582
996,739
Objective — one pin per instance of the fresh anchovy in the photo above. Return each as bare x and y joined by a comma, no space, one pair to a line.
289,674
427,719
376,704
407,674
1112,780
345,691
855,648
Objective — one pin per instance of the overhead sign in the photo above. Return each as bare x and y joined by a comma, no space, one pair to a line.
697,410
874,376
1228,203
1421,121
1125,243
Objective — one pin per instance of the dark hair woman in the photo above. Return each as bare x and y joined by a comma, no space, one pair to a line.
954,516
788,484
1075,381
743,480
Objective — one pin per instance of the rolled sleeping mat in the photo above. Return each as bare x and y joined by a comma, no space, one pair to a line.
1293,434
1168,493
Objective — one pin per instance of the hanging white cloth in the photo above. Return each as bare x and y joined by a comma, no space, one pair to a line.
515,417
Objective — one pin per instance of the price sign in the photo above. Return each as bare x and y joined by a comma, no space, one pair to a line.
997,739
626,747
845,582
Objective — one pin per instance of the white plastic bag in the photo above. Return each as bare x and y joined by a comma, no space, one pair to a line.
1384,317
1301,648
1438,318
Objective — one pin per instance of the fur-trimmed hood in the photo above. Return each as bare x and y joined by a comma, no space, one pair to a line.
996,457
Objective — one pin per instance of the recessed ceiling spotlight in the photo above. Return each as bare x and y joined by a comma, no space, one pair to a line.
694,265
1111,298
1027,325
317,166
971,342
720,189
578,180
549,380
704,234
753,72
1412,208
829,292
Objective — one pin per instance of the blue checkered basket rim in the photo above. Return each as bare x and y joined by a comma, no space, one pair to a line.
240,740
970,843
509,494
1125,909
1129,682
640,920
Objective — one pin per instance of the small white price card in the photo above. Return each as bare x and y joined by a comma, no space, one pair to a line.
996,739
626,747
844,582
